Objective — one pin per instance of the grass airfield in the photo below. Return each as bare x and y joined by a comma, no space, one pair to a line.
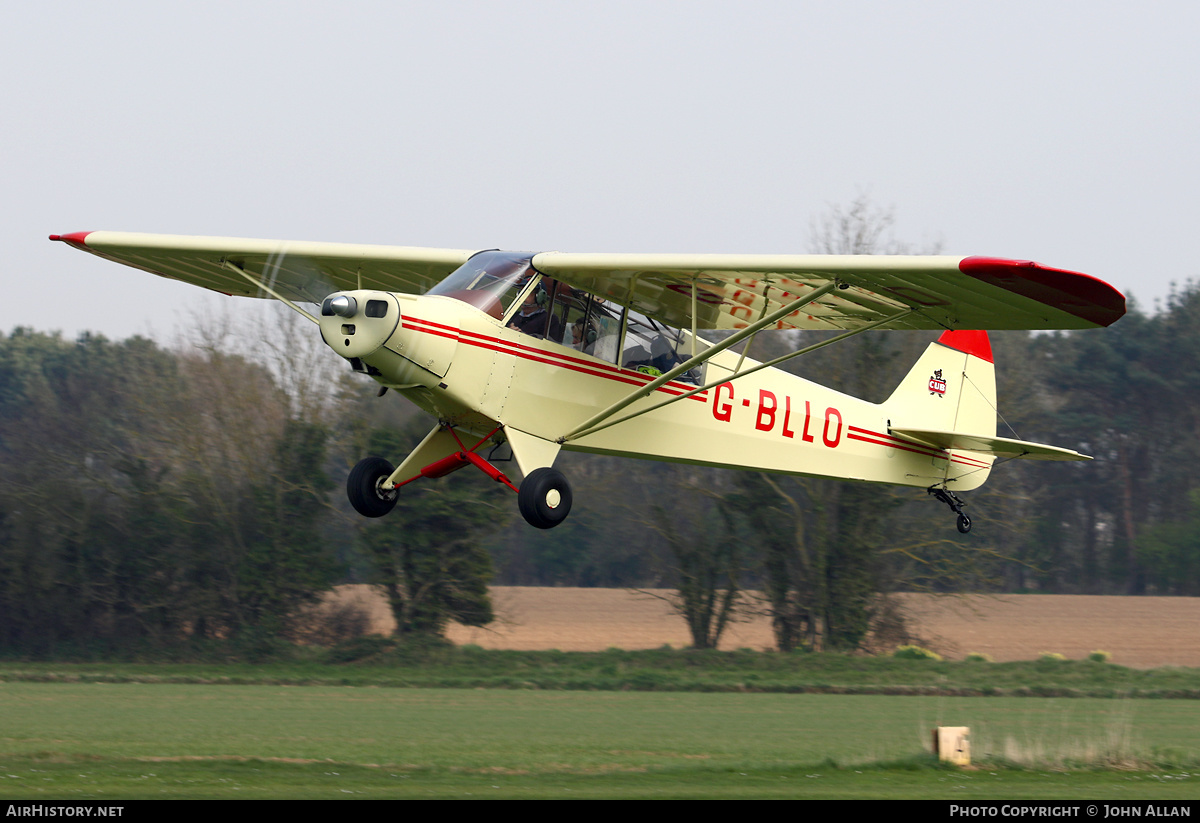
116,741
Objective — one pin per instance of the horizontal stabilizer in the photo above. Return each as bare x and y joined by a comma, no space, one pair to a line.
998,446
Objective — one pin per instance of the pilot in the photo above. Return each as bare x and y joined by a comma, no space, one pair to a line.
532,316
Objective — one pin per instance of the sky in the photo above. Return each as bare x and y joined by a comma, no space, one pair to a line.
1062,132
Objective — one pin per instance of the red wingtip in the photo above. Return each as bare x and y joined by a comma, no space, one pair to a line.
969,342
1079,294
75,238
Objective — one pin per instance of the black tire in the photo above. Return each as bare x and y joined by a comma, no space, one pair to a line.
362,487
964,524
537,495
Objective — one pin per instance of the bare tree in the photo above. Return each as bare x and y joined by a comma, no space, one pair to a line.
861,228
708,556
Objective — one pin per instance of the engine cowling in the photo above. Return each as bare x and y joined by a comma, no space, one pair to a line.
356,324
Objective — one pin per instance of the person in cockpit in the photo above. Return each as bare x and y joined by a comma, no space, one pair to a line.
533,317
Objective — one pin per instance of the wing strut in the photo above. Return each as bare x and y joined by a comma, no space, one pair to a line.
236,268
697,359
578,433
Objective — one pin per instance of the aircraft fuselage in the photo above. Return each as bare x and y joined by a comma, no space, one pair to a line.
473,372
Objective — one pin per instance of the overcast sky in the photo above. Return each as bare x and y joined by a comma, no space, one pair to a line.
1061,132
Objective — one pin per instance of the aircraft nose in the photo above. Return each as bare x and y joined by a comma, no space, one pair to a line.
356,324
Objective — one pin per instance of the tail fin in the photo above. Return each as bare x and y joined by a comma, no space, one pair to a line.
952,388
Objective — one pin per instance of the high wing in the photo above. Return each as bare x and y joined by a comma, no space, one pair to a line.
720,291
732,291
299,271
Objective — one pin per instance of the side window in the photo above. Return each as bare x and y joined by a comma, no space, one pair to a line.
554,311
570,312
600,334
652,348
533,315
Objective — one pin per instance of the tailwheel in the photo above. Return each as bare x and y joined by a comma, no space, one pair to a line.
544,498
365,489
956,505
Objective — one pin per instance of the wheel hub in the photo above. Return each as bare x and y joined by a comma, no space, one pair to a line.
385,492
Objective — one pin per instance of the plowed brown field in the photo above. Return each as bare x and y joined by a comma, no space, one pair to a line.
1142,632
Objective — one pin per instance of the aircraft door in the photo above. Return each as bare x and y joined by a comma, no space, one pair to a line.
499,378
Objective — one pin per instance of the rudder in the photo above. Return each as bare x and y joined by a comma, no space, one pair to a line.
952,387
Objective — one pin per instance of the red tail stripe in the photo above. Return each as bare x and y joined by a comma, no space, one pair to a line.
969,342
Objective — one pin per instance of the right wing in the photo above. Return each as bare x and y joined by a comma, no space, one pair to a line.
734,290
300,271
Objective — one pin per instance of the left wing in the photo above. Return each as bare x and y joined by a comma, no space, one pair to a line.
732,291
299,271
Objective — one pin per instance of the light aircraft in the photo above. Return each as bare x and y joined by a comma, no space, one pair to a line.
601,353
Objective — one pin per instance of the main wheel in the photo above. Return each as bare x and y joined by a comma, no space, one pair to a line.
964,524
363,487
544,498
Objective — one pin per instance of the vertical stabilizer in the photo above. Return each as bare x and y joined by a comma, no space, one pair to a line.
952,388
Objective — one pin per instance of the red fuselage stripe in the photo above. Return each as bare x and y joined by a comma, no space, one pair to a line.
880,439
549,358
908,447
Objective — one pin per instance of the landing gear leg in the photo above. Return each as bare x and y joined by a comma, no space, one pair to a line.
955,503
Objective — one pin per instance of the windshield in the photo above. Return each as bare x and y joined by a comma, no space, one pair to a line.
489,281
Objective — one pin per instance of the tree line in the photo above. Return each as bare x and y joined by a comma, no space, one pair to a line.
152,496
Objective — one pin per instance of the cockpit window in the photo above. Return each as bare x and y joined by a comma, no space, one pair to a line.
553,311
507,287
653,348
535,316
589,324
490,280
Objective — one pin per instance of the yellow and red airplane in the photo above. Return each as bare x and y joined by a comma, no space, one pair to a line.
602,353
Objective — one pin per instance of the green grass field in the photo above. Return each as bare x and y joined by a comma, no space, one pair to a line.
107,741
375,662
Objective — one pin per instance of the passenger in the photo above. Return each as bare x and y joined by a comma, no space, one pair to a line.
583,336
